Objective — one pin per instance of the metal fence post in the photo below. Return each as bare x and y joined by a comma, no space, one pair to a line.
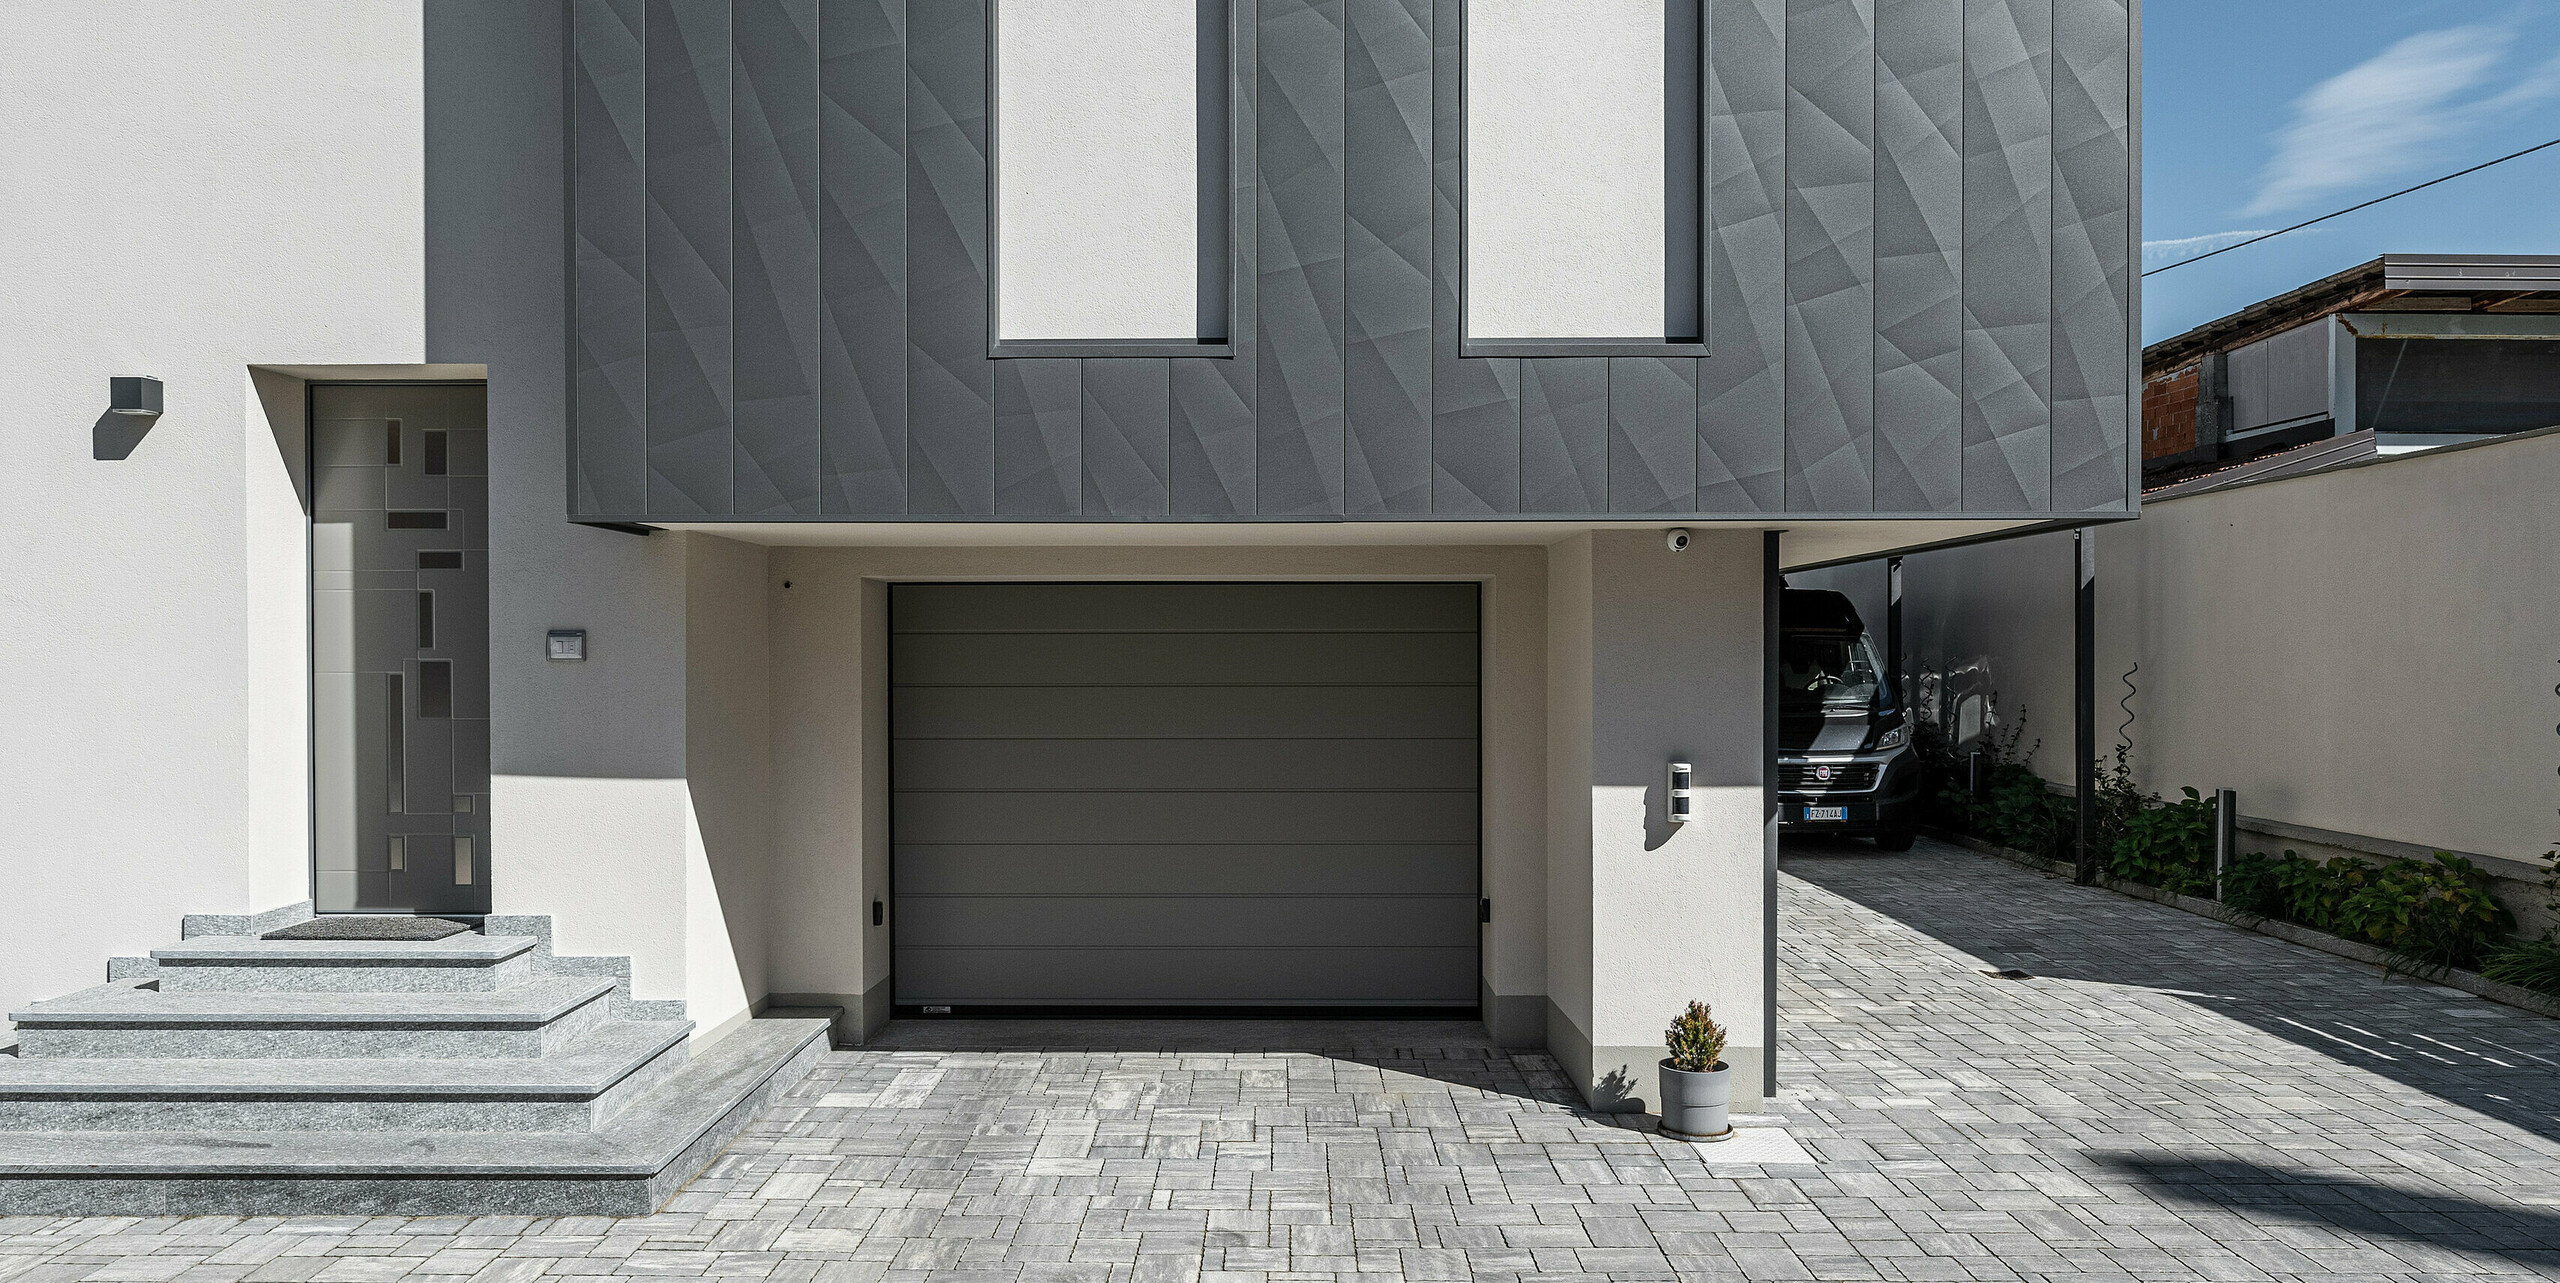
2084,713
2226,836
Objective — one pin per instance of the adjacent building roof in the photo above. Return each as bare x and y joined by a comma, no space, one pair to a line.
2393,282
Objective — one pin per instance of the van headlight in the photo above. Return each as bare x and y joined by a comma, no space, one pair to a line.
1895,738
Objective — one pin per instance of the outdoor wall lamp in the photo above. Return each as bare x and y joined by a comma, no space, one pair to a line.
135,394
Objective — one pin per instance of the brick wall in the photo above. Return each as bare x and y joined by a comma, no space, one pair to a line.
2169,413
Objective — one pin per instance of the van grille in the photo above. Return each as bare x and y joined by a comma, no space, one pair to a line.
1845,777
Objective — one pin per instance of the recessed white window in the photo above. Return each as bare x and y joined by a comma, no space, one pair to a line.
1110,175
1583,171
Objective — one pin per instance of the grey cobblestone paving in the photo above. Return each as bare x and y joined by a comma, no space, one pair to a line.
2167,1098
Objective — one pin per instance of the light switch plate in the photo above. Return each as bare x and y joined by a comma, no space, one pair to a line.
568,643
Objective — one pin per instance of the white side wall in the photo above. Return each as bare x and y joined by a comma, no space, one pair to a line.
1671,913
2368,650
190,190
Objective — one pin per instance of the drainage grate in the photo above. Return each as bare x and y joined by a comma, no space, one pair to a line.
2008,973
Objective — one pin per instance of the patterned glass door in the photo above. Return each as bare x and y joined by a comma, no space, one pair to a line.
400,648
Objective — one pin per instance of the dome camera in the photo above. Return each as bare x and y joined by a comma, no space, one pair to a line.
1676,539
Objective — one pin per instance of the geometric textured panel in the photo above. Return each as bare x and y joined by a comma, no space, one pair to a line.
2092,253
773,113
1919,341
1564,434
1742,387
862,256
1387,234
1125,437
950,387
612,345
1039,437
1212,445
691,394
1831,205
1653,435
1476,444
2008,228
1298,117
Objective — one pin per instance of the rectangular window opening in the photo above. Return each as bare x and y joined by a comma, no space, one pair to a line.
391,442
462,859
399,853
435,688
398,519
1585,197
435,462
426,621
1108,199
439,561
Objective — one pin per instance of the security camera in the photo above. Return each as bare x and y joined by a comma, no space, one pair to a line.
1676,539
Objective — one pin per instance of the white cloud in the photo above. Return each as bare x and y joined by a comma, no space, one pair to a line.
2154,253
2385,116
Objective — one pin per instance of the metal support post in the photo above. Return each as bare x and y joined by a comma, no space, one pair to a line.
1771,584
2084,704
1893,637
2226,836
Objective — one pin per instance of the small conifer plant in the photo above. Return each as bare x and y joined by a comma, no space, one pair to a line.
1695,1040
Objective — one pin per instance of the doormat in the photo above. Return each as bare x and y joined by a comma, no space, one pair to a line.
353,927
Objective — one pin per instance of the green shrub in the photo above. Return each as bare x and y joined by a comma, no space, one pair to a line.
1695,1040
2169,846
2429,915
2531,964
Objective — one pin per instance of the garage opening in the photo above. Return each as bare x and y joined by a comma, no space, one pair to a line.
1185,799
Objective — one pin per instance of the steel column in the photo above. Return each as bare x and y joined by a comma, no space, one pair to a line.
1771,581
2084,705
1893,636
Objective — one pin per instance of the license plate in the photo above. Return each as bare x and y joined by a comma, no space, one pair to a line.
1816,813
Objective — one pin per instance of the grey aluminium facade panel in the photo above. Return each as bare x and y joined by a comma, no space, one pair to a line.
773,233
1831,255
1919,280
1919,247
609,248
862,257
691,399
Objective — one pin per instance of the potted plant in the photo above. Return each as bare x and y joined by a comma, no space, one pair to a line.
1697,1086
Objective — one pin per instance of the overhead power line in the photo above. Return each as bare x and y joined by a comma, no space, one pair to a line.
2353,208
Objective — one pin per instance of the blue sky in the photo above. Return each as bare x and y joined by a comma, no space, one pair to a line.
2261,113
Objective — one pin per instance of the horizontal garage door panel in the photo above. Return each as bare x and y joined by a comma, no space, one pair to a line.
1186,817
1275,608
1188,763
1210,977
1192,922
1183,712
1134,795
1184,659
1447,868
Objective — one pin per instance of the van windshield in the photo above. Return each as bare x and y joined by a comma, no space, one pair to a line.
1827,672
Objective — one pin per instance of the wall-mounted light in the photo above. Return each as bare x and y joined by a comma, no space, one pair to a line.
565,643
137,394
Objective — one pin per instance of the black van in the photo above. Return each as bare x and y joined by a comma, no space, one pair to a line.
1844,745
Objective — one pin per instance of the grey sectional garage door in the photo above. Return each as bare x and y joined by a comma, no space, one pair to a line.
1184,795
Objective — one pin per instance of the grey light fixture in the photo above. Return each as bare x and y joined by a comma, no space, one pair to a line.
136,394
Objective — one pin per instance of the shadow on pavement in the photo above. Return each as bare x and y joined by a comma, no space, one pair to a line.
2527,1236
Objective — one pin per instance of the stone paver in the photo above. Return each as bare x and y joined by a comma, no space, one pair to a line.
2165,1098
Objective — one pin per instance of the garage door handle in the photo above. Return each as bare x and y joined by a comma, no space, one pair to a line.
878,913
1484,910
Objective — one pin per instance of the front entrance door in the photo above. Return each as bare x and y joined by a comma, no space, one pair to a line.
400,648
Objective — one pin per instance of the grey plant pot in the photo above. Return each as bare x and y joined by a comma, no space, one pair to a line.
1697,1106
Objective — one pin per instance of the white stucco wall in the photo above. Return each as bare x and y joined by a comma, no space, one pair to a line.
1670,912
1097,169
188,190
1565,211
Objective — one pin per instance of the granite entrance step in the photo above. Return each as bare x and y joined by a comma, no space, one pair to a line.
135,1020
456,964
478,1072
581,1086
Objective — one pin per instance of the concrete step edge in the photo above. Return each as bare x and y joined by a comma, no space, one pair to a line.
127,1005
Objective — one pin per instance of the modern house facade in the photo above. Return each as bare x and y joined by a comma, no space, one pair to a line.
998,507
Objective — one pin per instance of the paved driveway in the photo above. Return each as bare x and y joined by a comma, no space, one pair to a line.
2167,1098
